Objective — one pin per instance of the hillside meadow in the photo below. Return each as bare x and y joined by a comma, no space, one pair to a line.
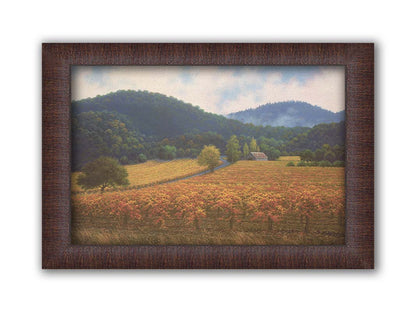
153,172
247,203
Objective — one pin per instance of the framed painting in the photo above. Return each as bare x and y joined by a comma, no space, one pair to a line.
208,156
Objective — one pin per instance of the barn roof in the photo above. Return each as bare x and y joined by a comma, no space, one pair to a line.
258,155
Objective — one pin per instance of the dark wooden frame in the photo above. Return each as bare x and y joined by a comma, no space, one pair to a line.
57,251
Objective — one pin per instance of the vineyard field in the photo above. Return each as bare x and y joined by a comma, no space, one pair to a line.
247,203
153,172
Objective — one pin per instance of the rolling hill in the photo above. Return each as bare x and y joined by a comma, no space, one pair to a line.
132,126
287,114
155,114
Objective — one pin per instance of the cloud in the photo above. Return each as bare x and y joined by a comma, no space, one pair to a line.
218,89
326,89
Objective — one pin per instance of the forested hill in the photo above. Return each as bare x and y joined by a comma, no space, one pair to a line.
154,114
133,126
287,114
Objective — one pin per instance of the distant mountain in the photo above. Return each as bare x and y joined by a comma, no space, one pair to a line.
287,114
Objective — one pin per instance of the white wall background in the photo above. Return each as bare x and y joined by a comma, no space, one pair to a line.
25,24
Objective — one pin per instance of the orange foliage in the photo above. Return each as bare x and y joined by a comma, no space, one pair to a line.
247,190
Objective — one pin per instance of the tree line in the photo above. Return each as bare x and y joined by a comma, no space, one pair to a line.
106,171
111,134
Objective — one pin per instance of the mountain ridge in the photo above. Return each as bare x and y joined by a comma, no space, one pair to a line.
155,114
287,114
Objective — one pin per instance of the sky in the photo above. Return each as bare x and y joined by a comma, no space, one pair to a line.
219,89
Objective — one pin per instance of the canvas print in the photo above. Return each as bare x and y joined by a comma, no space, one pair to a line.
208,155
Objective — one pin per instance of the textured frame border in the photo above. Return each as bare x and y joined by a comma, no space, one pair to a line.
57,251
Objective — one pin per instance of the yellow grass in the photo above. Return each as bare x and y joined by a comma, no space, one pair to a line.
284,160
153,172
289,158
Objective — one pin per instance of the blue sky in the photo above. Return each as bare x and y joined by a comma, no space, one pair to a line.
219,89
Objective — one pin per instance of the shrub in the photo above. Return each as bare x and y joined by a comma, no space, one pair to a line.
302,164
124,160
324,163
339,163
142,158
290,164
167,152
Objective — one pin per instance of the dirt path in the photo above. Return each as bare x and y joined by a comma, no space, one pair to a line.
225,163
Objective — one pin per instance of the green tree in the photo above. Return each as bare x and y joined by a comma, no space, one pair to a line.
319,154
142,158
307,155
233,149
124,160
209,156
246,150
102,172
180,152
253,146
326,148
274,154
339,152
167,152
330,156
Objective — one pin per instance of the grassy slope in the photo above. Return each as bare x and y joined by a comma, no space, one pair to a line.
289,158
153,172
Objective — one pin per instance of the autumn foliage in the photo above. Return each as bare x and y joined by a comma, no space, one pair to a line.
209,156
244,192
